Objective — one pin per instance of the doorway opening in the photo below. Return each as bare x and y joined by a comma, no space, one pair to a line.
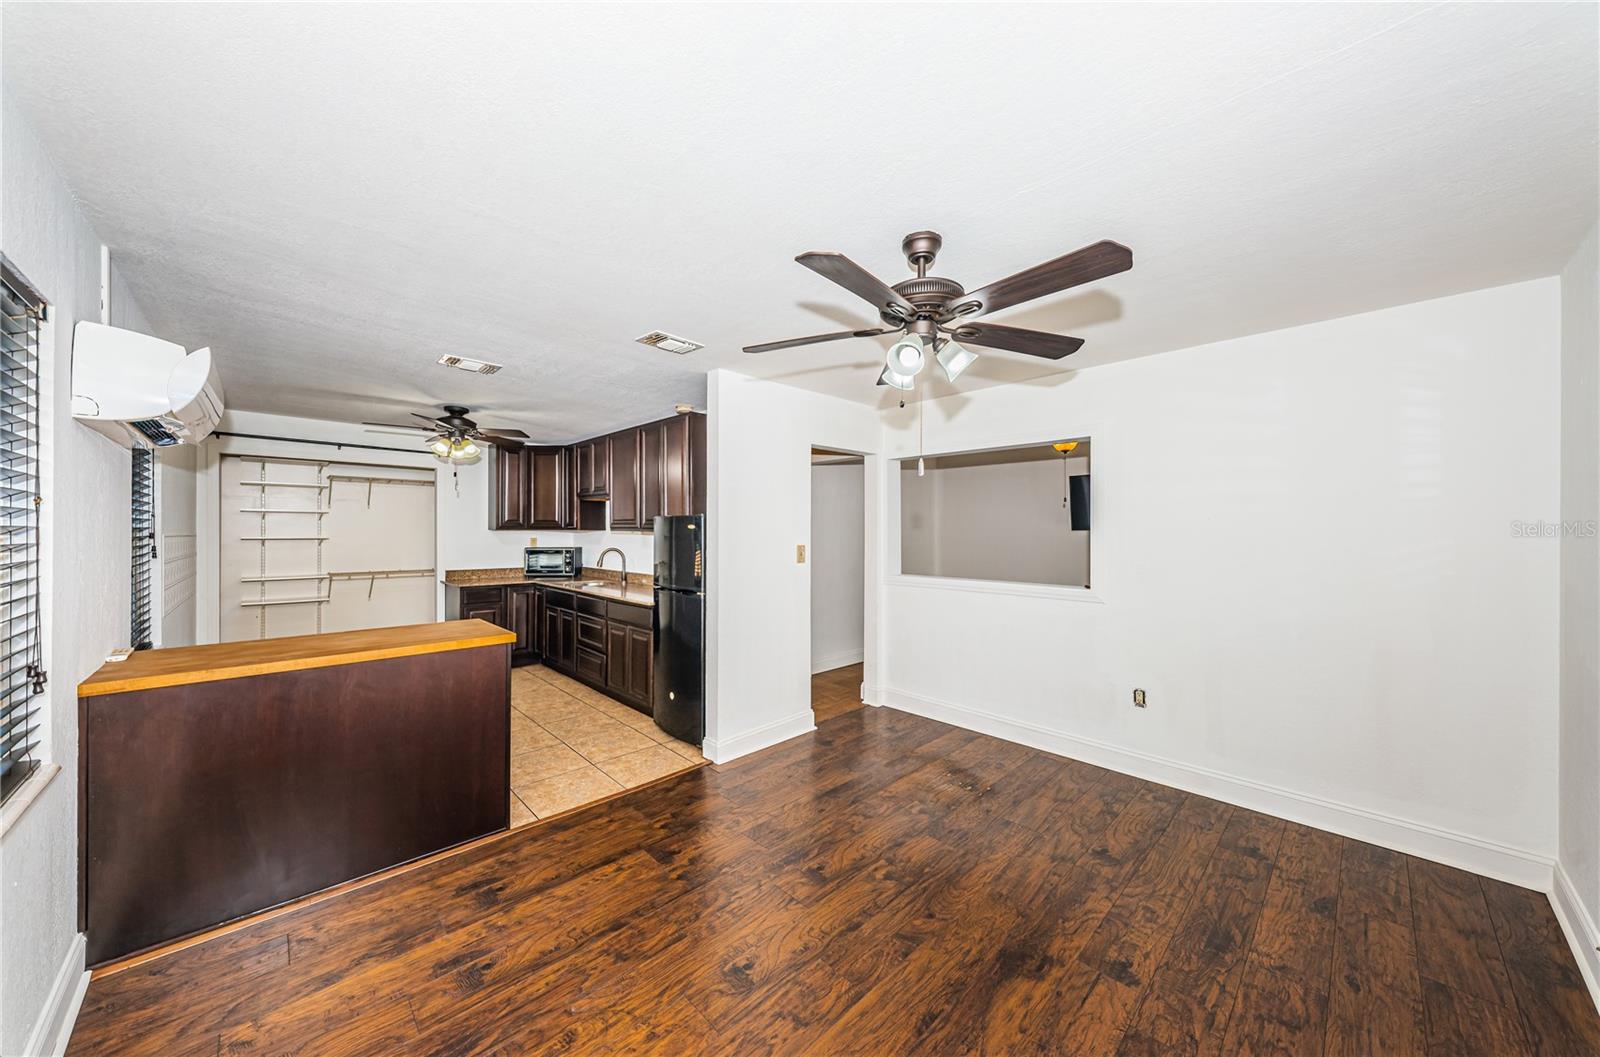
838,581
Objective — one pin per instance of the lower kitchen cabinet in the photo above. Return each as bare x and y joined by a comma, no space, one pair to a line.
523,607
478,603
629,647
608,645
560,632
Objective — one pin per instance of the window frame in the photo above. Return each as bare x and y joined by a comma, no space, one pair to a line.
894,576
25,314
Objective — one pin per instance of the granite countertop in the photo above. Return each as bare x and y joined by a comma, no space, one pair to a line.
639,590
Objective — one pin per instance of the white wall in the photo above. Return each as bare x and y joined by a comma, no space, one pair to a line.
1331,613
464,539
86,551
1578,880
760,435
837,560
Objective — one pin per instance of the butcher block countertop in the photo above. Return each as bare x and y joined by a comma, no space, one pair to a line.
180,666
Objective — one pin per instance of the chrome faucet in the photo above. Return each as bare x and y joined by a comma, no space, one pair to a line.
599,563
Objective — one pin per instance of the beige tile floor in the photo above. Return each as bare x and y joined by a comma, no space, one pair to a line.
571,745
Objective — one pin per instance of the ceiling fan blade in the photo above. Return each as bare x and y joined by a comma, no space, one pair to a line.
850,275
513,433
773,346
1076,268
433,423
1015,339
402,425
502,442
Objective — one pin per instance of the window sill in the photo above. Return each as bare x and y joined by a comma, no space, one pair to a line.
26,794
1052,592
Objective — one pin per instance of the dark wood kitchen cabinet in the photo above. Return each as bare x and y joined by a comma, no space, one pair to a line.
634,476
629,647
508,488
652,493
548,502
560,632
593,459
683,465
529,488
479,603
626,480
524,608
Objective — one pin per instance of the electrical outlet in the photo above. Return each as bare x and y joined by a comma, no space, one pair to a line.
799,553
1138,698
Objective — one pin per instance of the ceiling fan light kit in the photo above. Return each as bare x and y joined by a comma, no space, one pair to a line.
934,311
453,437
953,359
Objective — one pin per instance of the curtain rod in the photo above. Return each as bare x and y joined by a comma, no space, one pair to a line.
327,443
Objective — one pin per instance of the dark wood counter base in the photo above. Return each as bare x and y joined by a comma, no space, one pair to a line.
207,802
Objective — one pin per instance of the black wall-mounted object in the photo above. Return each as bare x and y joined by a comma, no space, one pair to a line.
1078,494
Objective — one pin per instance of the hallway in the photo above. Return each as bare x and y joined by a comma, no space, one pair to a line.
836,692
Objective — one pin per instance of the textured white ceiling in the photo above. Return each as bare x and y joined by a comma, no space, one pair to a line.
331,196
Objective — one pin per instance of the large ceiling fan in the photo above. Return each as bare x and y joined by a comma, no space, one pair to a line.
935,312
455,435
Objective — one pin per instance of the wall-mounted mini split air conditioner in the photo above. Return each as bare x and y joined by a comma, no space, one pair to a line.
141,391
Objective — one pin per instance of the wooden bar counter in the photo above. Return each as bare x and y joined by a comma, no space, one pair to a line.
218,781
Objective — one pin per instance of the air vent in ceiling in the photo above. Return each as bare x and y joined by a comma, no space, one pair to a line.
462,363
670,342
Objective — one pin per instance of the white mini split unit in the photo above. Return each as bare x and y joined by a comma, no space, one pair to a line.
141,391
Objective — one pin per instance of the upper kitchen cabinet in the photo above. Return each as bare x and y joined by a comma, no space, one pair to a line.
683,465
626,479
594,468
549,494
658,469
652,494
641,473
508,487
529,488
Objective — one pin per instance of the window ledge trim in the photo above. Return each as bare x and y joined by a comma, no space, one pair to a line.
26,795
1049,592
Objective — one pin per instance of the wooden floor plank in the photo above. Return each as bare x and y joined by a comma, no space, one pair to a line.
1374,1001
889,885
1189,1001
1455,936
1558,1017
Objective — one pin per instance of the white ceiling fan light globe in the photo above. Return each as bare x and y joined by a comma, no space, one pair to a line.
953,359
906,355
891,377
440,446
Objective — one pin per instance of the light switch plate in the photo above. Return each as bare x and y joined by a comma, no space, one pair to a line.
800,553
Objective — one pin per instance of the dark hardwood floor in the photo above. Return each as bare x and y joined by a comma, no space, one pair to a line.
885,886
833,693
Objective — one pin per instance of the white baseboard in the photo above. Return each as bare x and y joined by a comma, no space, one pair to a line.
836,660
54,1026
1516,866
1582,935
721,750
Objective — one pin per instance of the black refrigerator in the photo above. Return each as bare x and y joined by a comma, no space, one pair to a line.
680,628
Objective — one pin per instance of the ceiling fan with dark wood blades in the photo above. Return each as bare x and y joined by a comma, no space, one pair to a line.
454,433
935,313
